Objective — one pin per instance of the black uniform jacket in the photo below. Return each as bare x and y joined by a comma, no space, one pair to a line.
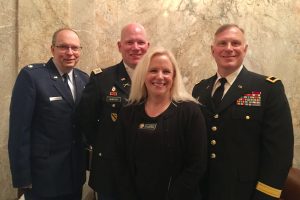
44,148
184,132
98,111
250,138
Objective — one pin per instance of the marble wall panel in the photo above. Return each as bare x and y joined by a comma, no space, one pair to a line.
83,20
8,73
184,26
37,20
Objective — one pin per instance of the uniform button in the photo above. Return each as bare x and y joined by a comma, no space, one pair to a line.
100,154
247,117
113,105
213,155
213,142
216,116
214,128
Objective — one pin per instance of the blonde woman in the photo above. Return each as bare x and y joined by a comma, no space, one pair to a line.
162,134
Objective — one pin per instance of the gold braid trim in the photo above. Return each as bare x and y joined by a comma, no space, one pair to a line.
268,190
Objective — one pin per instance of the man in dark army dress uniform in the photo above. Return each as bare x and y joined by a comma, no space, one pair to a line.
46,152
249,124
104,95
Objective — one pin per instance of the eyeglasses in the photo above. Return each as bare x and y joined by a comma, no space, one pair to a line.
66,48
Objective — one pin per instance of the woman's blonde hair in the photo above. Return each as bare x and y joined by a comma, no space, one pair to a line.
138,91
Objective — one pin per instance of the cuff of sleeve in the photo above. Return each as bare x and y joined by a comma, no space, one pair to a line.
26,187
268,190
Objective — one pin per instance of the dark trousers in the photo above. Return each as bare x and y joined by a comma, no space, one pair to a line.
29,195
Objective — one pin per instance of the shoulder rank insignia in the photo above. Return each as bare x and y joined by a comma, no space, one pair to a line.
35,66
97,70
272,79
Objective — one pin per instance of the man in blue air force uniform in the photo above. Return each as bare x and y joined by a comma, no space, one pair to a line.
45,151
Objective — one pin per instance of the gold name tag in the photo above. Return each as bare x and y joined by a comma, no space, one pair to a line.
151,127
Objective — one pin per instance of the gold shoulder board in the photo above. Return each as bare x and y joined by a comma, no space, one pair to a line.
97,70
272,79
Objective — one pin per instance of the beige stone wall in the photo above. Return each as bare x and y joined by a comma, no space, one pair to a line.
8,72
184,26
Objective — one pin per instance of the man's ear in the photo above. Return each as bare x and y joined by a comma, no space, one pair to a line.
52,49
119,45
246,48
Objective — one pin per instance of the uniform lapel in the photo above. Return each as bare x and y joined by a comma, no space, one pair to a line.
58,83
79,86
238,89
205,98
123,81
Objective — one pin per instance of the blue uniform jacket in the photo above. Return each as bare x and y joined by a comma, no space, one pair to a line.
44,148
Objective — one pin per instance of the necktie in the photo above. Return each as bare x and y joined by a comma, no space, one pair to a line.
65,79
219,92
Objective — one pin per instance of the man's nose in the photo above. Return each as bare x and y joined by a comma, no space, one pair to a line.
135,45
69,51
229,46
